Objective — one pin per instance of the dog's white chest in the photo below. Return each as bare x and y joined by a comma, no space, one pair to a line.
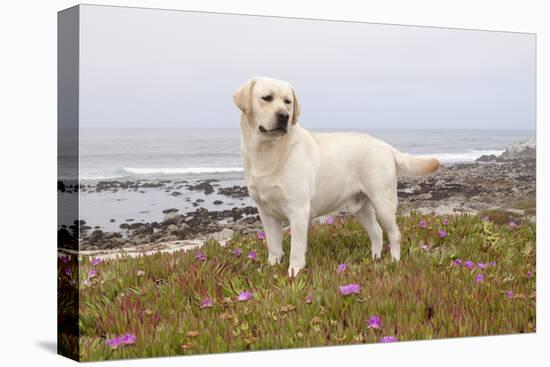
269,197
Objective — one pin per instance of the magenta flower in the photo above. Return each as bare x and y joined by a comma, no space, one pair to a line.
479,278
493,263
529,275
252,255
374,322
422,224
446,221
237,252
200,256
485,218
96,261
329,219
64,259
126,339
244,296
388,339
442,233
92,273
309,298
68,271
509,294
425,247
457,262
469,264
346,290
261,235
482,265
207,303
342,267
513,225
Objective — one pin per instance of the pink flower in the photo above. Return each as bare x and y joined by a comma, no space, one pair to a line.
207,303
252,255
68,272
529,275
485,218
200,256
129,339
509,294
92,273
479,278
388,339
422,224
309,298
126,339
237,252
342,268
469,264
446,221
374,322
482,265
64,259
493,263
425,247
457,262
329,219
261,235
96,261
442,233
244,296
346,290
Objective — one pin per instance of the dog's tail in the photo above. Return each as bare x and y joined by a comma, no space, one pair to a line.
410,165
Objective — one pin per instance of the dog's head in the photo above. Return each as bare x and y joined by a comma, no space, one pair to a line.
270,106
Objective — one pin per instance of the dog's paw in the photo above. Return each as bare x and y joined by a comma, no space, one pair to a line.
293,270
377,255
395,254
274,259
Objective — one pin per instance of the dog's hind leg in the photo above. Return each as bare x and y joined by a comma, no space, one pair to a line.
274,237
385,205
367,218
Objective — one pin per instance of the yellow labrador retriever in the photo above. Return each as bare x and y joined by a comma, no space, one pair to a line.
295,175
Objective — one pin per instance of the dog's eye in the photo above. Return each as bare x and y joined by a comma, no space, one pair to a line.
288,101
268,98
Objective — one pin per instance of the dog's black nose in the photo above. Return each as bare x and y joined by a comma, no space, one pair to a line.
282,119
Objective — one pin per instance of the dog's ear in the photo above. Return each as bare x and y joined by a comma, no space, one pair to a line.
243,96
296,110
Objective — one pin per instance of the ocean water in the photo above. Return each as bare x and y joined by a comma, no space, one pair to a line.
116,153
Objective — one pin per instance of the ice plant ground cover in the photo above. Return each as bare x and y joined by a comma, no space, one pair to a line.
429,294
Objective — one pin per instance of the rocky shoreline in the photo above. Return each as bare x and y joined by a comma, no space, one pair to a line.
506,183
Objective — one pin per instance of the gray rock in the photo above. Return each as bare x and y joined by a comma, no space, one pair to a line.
520,150
96,236
172,218
487,158
444,210
203,186
222,236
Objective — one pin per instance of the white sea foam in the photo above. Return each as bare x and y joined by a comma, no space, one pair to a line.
174,171
468,156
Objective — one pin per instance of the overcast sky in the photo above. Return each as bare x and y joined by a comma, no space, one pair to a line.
156,68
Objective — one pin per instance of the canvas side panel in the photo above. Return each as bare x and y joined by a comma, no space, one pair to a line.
67,182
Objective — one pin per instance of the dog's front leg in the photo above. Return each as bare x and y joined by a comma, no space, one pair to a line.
299,222
274,237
